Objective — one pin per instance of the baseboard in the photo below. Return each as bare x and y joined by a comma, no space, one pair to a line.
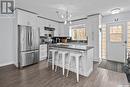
116,61
44,58
4,64
96,60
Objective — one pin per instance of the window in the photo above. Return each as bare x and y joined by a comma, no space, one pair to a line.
78,32
103,47
116,33
128,43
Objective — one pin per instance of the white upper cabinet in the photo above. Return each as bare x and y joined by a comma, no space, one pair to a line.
41,24
66,30
63,30
47,23
57,32
29,19
26,18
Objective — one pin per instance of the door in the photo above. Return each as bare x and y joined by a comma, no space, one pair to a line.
35,38
116,41
24,37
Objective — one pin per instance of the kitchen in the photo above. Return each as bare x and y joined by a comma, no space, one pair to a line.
55,51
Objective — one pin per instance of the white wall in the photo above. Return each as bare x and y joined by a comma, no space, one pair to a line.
7,52
93,38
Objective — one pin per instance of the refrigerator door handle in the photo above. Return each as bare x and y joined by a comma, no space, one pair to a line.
31,37
28,38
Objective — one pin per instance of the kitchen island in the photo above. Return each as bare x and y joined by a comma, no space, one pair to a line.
85,62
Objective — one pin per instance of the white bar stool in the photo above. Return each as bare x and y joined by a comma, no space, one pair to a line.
53,51
75,55
63,54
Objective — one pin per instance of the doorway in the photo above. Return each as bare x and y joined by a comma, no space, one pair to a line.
114,42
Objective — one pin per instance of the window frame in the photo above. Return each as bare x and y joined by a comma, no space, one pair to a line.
77,27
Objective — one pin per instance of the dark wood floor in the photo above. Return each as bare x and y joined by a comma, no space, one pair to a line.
40,75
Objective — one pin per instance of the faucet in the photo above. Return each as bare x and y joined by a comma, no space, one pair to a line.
57,40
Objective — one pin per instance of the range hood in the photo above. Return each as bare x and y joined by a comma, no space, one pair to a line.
49,28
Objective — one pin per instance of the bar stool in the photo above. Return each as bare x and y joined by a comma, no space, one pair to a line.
77,56
63,54
54,56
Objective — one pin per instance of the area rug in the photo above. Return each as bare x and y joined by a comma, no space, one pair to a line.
110,65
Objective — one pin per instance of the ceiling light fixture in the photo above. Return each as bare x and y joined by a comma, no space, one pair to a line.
66,16
115,11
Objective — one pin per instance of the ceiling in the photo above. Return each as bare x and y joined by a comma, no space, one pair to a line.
78,8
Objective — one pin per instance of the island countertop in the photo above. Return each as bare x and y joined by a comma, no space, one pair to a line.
72,46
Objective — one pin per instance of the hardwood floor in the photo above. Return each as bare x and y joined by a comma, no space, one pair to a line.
40,75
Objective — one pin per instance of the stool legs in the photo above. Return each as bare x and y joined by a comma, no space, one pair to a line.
58,56
55,68
77,67
68,67
53,55
63,63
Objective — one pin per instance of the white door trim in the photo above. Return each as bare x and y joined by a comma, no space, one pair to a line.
124,38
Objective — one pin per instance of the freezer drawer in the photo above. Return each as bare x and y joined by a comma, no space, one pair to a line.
36,56
28,58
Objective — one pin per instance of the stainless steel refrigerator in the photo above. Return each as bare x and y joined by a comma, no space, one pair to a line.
28,45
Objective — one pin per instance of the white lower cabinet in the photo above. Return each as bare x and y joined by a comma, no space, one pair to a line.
43,52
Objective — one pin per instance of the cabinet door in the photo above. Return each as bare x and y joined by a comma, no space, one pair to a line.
26,18
63,30
32,19
66,30
56,32
60,30
22,18
43,52
42,31
56,26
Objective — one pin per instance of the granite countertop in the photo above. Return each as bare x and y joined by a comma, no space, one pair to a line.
72,46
